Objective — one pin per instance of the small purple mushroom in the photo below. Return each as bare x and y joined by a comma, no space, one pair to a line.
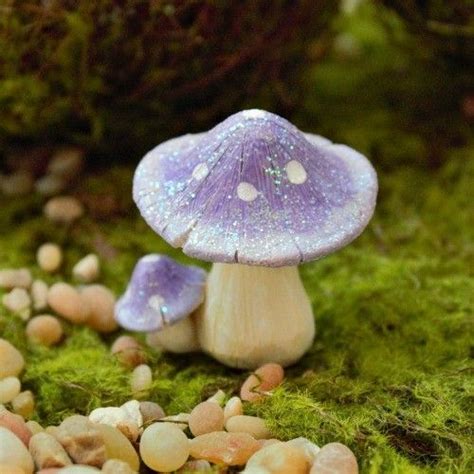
160,296
257,197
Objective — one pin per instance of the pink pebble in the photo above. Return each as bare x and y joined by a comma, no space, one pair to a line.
335,458
16,425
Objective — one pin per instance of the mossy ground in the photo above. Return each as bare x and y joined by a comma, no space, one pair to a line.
390,372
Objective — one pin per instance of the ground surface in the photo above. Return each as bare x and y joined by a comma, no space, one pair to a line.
390,373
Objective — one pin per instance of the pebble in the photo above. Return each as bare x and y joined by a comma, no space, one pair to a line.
111,416
68,303
128,351
13,452
50,185
63,209
49,257
101,302
218,397
66,162
248,424
87,269
206,418
195,466
265,378
34,427
181,420
231,449
141,380
11,360
78,469
164,447
24,404
335,458
82,441
18,301
115,466
47,451
278,458
132,409
45,330
309,449
10,469
151,412
233,407
117,446
39,294
15,278
15,424
17,184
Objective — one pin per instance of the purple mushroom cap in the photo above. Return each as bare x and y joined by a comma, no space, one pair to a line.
255,190
161,292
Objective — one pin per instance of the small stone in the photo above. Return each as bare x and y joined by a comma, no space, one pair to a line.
15,424
233,407
111,416
218,398
195,466
79,469
49,257
128,351
206,418
87,270
231,449
15,278
82,441
11,360
141,380
17,184
13,452
18,301
129,429
24,404
181,420
10,469
264,379
117,446
309,449
47,451
34,427
163,447
115,466
39,294
50,185
66,162
278,458
45,330
68,303
335,458
101,302
63,209
248,424
151,412
10,387
132,409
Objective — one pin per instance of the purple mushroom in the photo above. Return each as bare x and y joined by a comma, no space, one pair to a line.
160,296
257,197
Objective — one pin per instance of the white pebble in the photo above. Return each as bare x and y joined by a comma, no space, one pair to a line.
248,424
13,452
79,469
309,449
108,415
15,278
10,387
49,257
233,408
141,380
87,269
11,360
18,301
39,294
218,397
68,303
132,408
64,209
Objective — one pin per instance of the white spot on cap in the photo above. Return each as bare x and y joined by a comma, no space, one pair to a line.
151,258
156,302
200,171
295,172
254,113
247,192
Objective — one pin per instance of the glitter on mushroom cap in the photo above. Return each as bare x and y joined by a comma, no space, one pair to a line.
255,190
161,292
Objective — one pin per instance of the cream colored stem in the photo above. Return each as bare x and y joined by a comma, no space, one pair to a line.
253,315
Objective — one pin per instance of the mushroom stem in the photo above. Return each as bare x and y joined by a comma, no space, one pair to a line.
253,315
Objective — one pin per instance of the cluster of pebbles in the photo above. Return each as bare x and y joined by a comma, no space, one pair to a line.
216,436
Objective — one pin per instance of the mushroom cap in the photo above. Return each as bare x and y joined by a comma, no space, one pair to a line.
257,191
160,293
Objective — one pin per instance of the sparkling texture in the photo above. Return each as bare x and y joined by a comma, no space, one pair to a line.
286,223
161,292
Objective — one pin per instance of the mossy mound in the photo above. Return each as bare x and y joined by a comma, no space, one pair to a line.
85,71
